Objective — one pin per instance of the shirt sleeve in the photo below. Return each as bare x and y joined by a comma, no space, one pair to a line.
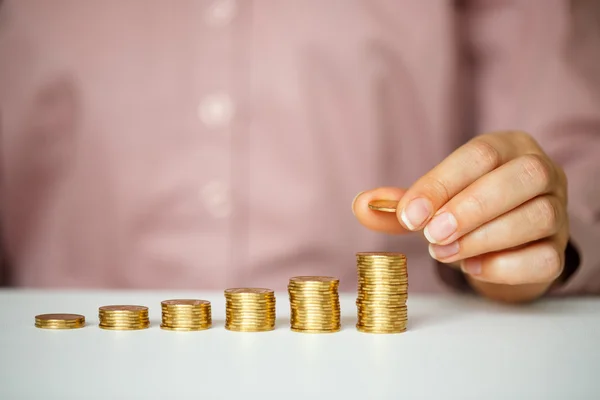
535,65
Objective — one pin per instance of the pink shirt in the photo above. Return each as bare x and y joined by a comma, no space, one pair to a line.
211,144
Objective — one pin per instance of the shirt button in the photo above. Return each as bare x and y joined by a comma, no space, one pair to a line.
221,12
216,199
216,110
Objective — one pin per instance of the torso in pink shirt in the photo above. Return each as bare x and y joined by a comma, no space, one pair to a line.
211,144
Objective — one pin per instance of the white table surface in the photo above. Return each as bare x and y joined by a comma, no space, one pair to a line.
455,348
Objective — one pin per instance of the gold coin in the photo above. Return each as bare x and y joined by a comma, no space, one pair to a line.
58,326
124,320
386,254
123,317
60,317
254,304
122,328
250,329
119,308
203,314
185,302
184,329
250,323
180,321
384,205
300,330
382,318
251,317
314,321
185,320
259,322
189,311
310,278
249,291
58,323
128,320
377,330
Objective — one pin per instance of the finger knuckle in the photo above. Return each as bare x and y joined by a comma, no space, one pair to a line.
475,205
536,171
436,188
484,154
546,216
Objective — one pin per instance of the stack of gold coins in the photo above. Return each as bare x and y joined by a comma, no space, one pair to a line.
59,321
186,315
123,317
382,292
314,304
249,310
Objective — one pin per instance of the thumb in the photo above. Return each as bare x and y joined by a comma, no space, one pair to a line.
376,220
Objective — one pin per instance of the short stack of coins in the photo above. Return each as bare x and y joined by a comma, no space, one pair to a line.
186,315
382,292
123,317
249,309
314,304
59,321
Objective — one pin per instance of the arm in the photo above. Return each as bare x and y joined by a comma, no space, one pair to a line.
537,69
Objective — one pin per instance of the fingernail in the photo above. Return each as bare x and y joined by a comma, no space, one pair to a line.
442,252
416,213
440,227
472,266
354,201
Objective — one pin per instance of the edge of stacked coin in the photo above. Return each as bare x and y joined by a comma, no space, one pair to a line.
314,304
186,315
382,292
122,317
59,321
250,309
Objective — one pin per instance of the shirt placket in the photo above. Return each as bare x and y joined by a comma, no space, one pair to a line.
216,113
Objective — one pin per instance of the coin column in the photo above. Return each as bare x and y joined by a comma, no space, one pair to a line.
186,315
249,309
382,292
314,304
59,321
123,317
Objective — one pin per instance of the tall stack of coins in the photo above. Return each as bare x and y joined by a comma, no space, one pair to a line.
59,321
382,292
314,304
186,315
123,317
249,310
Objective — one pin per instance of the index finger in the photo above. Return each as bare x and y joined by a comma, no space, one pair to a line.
464,166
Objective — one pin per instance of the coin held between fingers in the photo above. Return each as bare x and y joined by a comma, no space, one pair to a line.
389,206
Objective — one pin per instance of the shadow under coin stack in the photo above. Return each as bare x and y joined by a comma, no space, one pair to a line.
249,310
123,318
186,315
382,292
314,304
59,321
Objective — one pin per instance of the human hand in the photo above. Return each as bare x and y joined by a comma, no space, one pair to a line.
497,206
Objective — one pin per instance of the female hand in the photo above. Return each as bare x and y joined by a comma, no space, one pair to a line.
497,206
